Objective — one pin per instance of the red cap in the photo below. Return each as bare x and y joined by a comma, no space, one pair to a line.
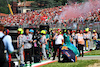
7,31
58,29
74,31
84,31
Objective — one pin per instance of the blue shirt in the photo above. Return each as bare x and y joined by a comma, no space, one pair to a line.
8,43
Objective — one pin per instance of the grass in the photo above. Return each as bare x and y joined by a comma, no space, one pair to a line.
95,52
98,39
79,63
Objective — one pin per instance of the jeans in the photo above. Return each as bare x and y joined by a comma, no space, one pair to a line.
28,55
80,47
21,55
44,51
57,46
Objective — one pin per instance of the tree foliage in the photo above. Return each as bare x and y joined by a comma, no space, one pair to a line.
3,7
38,4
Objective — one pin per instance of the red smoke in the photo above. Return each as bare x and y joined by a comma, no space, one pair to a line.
82,9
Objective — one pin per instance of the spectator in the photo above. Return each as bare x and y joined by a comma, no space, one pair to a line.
76,35
8,46
27,39
66,38
69,34
58,42
94,37
47,45
6,32
73,36
80,42
20,45
90,37
34,47
87,39
44,42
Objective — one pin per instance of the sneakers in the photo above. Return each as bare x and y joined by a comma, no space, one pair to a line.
22,65
53,59
59,61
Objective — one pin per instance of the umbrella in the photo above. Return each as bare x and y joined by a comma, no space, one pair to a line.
69,53
73,48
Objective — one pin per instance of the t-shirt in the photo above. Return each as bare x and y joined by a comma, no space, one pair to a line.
58,39
47,36
94,36
80,39
66,39
76,36
42,40
26,39
90,35
8,44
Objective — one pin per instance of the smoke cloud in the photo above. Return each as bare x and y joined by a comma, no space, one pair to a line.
78,10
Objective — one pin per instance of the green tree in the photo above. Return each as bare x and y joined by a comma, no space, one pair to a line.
61,1
41,4
4,6
35,6
26,0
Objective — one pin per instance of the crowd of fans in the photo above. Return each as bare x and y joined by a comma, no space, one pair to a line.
30,18
49,15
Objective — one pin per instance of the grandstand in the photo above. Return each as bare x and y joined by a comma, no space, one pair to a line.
51,17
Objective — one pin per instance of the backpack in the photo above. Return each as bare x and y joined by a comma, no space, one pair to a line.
2,51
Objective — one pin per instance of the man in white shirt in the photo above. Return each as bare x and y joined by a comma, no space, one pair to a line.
58,42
